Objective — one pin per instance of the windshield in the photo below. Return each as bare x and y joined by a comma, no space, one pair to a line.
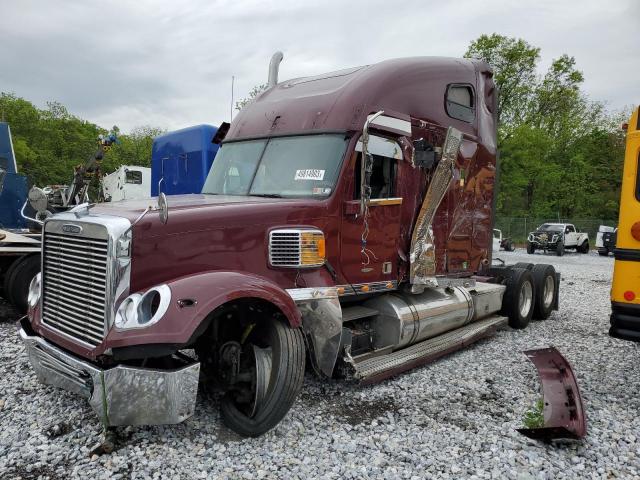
278,167
549,227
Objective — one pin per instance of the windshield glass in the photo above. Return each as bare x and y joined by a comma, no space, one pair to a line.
549,227
280,167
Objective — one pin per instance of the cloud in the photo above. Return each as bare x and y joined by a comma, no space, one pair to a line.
170,64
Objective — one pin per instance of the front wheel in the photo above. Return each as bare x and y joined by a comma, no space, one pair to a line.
269,376
531,248
560,248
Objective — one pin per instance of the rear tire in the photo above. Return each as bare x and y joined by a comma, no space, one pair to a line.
524,265
531,248
509,247
584,248
603,252
285,381
519,298
18,287
560,248
544,279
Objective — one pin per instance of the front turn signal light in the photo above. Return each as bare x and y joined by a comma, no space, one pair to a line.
312,248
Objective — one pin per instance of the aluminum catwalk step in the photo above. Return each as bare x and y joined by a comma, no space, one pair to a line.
374,369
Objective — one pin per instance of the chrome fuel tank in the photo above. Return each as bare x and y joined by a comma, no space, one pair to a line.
404,318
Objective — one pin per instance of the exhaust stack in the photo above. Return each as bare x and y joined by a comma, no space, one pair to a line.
274,66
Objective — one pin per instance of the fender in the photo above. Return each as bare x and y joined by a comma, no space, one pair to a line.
207,291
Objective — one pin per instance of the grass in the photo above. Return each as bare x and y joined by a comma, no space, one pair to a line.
534,417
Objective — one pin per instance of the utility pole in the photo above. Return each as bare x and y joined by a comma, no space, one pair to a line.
231,109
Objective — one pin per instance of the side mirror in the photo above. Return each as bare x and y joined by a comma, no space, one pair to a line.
222,131
163,208
425,154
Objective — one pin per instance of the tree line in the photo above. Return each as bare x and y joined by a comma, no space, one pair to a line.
48,143
561,153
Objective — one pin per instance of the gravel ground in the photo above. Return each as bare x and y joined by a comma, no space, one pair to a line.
455,418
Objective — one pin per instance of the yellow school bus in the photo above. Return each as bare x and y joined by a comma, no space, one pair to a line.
625,288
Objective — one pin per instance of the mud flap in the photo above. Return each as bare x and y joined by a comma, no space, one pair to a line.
564,415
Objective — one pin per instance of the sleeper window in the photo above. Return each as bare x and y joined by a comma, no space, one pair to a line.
460,102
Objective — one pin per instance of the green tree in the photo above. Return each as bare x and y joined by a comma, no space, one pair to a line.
561,154
50,142
255,91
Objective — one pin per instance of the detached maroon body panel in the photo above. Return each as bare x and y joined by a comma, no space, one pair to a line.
564,415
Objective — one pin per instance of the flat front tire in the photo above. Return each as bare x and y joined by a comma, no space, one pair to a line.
287,351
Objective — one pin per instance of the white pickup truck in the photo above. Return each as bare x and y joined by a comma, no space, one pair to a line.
557,237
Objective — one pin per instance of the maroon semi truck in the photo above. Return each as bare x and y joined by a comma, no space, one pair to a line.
346,222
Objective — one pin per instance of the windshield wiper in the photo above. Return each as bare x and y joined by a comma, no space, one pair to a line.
266,195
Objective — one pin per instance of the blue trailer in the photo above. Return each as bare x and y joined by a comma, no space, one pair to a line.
13,186
180,160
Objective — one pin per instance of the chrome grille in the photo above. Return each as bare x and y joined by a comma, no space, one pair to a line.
284,248
74,283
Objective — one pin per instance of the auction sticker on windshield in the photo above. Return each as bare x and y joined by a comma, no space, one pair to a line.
309,174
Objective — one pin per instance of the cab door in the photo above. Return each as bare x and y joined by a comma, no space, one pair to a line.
369,243
570,235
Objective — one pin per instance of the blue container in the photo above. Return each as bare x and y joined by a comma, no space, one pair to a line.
14,186
182,159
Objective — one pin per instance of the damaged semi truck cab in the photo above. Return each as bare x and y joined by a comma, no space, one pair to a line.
347,219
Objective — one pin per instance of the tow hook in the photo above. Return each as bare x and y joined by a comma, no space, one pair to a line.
564,415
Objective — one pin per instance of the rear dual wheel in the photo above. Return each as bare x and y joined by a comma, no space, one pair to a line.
519,297
531,293
545,281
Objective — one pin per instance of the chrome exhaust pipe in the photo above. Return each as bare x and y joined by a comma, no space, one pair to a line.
274,66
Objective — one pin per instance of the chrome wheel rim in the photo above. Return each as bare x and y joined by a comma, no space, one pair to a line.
548,291
526,298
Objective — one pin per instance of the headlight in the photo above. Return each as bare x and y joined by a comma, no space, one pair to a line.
142,311
35,290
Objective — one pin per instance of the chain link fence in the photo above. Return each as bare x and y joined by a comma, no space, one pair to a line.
518,228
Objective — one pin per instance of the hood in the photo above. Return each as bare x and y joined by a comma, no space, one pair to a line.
210,232
131,209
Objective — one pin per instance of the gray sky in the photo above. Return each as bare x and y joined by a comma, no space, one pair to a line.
169,63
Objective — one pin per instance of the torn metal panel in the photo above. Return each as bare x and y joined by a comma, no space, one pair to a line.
322,325
422,256
564,415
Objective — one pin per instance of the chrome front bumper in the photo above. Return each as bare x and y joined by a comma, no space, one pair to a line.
120,395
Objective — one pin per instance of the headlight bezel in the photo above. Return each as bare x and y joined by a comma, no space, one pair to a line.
137,310
35,290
